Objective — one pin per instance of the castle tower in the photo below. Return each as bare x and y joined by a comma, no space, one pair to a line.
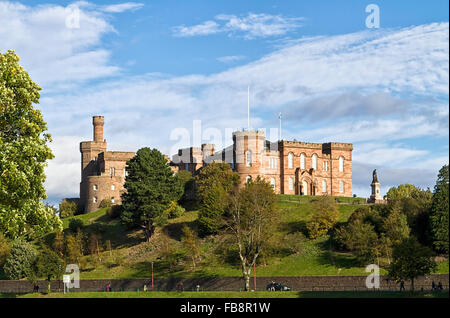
248,152
89,155
376,195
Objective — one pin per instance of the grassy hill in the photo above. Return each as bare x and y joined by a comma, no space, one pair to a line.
130,257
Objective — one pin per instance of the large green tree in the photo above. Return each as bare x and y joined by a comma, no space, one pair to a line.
411,260
326,215
49,265
214,183
150,187
19,263
23,155
439,211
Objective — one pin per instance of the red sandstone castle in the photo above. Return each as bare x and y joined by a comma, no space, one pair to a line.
291,167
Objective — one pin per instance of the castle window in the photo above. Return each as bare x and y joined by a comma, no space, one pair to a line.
324,185
112,172
290,160
325,166
249,158
272,183
125,173
314,161
248,179
341,186
302,161
276,163
94,199
113,187
341,164
291,184
95,187
113,200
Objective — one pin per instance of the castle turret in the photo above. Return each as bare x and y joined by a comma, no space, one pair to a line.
98,122
248,153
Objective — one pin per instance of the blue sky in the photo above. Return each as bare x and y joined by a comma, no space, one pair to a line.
153,67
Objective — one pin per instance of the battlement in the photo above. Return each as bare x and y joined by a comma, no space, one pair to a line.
338,145
115,156
302,144
248,133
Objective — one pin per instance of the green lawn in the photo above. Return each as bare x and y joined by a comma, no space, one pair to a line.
228,295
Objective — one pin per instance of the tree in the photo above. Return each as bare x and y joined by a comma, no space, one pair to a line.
439,211
67,208
150,187
403,191
214,183
186,181
191,243
23,155
76,225
251,217
20,261
74,248
411,260
49,265
5,249
326,215
58,243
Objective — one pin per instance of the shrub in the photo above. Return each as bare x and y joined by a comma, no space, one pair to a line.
67,208
19,263
5,249
106,203
75,225
174,210
114,211
325,217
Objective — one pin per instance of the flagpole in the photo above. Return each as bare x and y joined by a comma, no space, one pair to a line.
248,107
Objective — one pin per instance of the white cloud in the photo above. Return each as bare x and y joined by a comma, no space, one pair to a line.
122,7
230,58
251,26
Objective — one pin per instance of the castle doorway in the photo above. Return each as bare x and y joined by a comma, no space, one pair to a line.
304,188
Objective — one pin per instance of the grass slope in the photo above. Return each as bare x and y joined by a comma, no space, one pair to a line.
131,257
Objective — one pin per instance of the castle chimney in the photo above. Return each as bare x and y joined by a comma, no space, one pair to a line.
98,122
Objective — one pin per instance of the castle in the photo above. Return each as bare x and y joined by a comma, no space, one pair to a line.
291,167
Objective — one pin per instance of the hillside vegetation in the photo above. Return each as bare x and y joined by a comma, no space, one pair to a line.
292,255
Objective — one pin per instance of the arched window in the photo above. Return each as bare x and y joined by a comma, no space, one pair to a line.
94,199
324,185
95,187
314,161
302,161
291,183
272,183
113,200
325,165
290,160
113,187
112,172
341,186
249,158
248,179
341,164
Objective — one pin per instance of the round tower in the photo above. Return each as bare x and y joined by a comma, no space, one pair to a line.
248,151
98,122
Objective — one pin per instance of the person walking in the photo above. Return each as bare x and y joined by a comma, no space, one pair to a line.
145,288
440,288
433,286
402,286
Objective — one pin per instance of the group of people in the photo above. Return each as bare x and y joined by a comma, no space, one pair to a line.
434,286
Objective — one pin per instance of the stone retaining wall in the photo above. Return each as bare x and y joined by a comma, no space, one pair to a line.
298,283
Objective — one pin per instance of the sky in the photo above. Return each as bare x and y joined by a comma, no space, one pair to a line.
155,68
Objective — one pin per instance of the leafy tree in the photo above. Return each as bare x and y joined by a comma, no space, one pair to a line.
5,249
150,187
439,211
19,263
411,260
58,243
214,183
191,243
67,208
326,215
106,203
251,217
23,155
49,265
403,191
74,248
186,181
395,226
361,239
211,210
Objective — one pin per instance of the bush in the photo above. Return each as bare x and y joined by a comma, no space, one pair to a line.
75,225
325,217
67,208
19,263
106,203
174,210
5,249
114,211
